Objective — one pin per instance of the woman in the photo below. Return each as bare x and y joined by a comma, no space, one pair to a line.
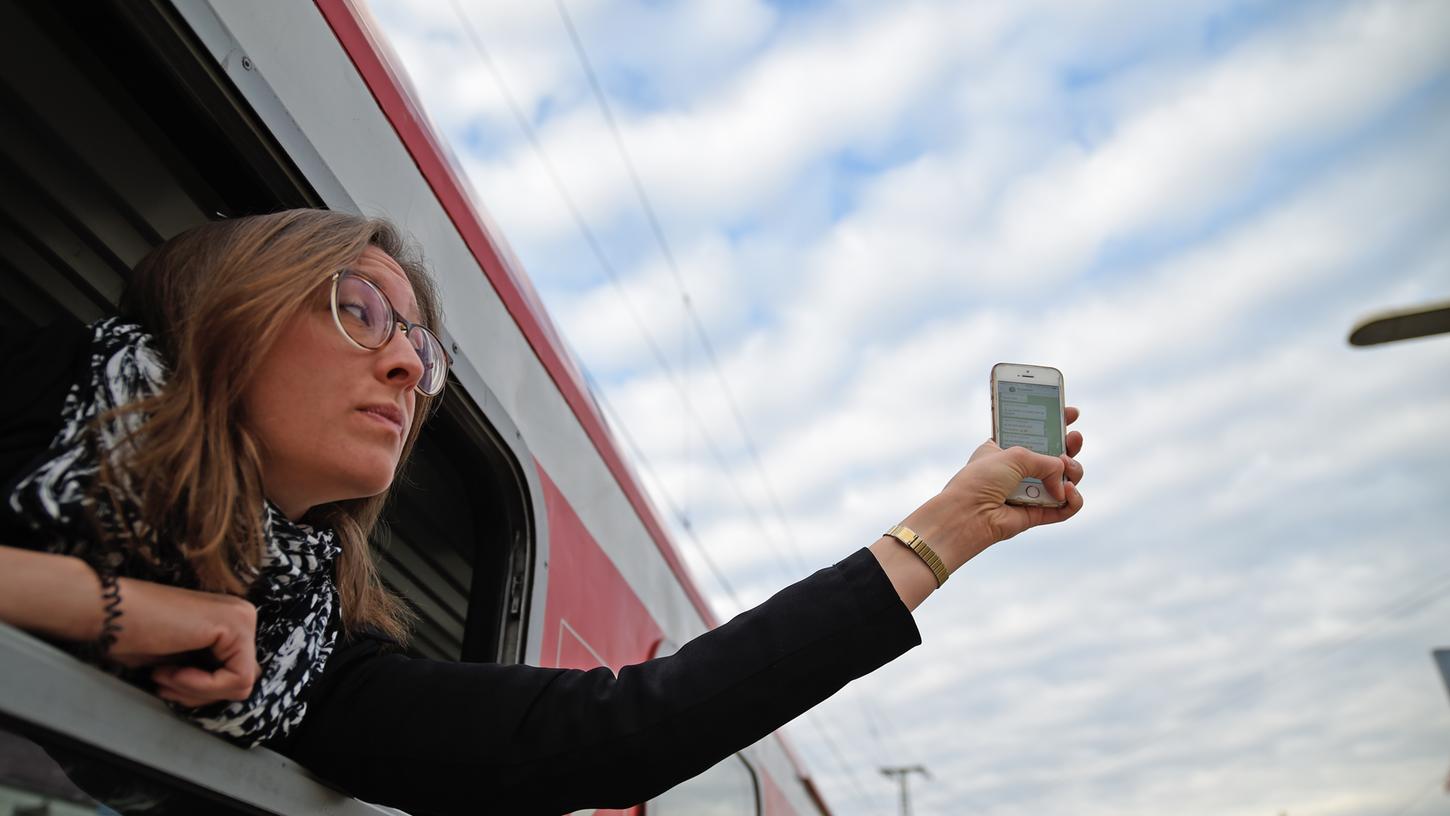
187,496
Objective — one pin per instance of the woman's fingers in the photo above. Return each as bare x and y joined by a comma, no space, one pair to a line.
1072,470
170,692
1052,515
1023,464
181,699
191,686
1073,438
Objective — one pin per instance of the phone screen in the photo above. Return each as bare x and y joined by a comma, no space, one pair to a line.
1031,416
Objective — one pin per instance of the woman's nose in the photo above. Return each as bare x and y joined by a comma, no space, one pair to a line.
398,361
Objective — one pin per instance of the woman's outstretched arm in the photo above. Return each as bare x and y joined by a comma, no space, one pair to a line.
59,597
463,738
441,737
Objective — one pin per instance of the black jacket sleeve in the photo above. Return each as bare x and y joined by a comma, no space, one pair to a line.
434,737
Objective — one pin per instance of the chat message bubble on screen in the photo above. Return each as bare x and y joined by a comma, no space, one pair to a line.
1024,411
1008,396
1034,427
1037,443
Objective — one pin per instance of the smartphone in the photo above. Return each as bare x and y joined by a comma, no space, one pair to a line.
1028,409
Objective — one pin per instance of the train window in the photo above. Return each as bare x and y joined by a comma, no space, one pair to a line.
727,789
119,133
456,541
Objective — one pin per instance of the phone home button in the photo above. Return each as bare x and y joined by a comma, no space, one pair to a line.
1034,492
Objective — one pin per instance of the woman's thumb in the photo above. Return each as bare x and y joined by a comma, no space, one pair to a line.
1024,464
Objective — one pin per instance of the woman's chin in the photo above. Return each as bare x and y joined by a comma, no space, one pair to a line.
364,483
375,488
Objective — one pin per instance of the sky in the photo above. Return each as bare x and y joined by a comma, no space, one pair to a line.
793,244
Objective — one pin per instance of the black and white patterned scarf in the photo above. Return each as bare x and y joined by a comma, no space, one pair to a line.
292,588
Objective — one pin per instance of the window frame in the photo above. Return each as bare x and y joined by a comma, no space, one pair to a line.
45,688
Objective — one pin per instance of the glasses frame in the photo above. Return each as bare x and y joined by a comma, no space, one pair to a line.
396,320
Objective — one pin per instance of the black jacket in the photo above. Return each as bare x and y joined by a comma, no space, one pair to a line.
438,737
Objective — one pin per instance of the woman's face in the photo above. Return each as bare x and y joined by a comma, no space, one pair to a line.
331,417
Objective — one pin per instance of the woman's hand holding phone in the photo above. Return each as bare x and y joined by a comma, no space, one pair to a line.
971,513
1004,520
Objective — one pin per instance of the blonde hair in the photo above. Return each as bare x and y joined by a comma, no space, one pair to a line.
217,296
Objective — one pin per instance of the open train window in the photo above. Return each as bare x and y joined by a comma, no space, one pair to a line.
119,132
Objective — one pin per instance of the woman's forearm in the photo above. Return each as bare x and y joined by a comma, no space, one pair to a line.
59,596
54,595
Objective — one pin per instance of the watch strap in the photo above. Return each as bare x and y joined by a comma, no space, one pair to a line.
915,543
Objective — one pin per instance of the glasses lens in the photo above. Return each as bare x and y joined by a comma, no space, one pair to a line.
362,311
435,362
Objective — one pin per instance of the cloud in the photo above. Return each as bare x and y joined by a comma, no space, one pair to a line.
1190,153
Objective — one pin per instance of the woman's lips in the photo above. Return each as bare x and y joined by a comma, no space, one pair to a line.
386,414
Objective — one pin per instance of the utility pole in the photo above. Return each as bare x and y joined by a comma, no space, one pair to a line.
901,774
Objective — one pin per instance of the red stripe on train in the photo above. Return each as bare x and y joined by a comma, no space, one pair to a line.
592,616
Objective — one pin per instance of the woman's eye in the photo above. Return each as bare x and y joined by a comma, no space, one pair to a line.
356,311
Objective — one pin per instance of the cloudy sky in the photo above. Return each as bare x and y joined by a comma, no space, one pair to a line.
1183,206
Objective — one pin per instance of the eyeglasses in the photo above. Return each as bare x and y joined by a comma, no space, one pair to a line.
366,317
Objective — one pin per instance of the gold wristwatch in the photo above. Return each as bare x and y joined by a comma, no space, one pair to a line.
913,541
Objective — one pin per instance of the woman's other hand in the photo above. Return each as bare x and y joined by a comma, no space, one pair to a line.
60,597
970,514
160,623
